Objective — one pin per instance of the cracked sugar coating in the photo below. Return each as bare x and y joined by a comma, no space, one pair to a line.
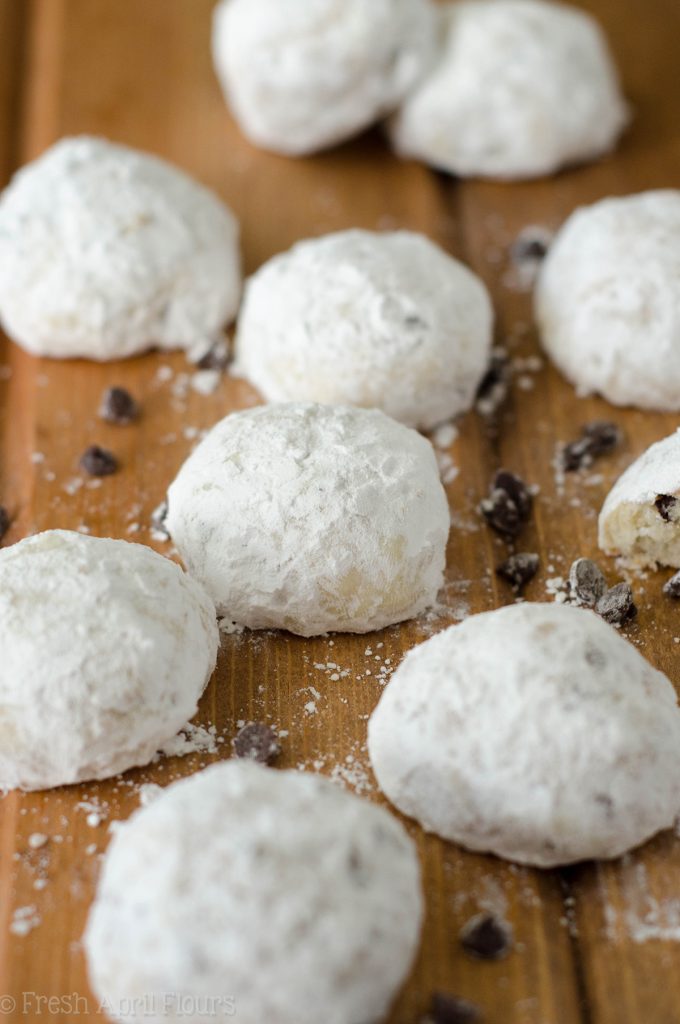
521,88
106,252
608,300
106,649
300,77
535,732
276,894
312,518
388,321
640,518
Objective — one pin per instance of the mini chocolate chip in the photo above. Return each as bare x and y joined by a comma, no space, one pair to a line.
98,461
258,742
445,1009
495,385
586,582
118,406
217,357
4,521
665,503
672,586
508,506
485,938
158,517
519,569
529,246
596,439
616,606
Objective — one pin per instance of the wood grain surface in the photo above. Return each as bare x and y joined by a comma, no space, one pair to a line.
592,944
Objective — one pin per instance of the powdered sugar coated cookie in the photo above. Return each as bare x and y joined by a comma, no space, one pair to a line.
640,518
249,894
608,300
106,252
535,732
312,518
303,76
520,89
382,320
106,649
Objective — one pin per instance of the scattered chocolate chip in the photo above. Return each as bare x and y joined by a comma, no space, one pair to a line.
217,357
445,1009
529,245
118,406
596,439
665,504
4,521
616,606
258,742
98,461
672,586
158,517
519,569
508,506
485,938
586,582
495,385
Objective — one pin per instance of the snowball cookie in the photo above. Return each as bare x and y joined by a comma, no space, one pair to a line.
106,648
312,518
521,88
106,252
608,300
641,517
302,76
535,732
257,895
383,320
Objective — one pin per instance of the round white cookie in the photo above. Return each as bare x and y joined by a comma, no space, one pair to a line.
640,519
106,252
608,300
312,518
535,732
106,649
520,89
388,321
300,77
256,895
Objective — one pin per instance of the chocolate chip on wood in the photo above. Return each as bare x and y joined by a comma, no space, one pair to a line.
617,606
508,506
118,407
258,742
597,438
98,461
519,569
485,937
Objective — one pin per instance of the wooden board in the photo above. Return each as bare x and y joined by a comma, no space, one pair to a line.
596,945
